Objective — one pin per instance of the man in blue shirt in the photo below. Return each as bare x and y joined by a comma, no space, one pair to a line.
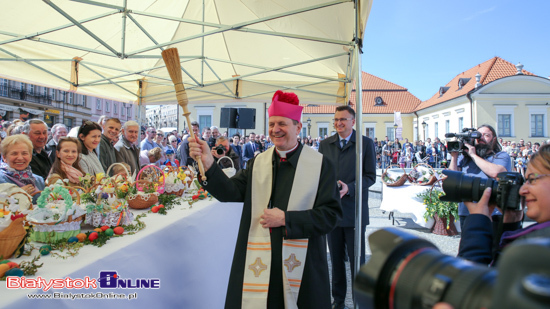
486,159
148,142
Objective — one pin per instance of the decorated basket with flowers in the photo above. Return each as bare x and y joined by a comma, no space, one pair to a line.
394,176
177,180
106,204
423,175
444,213
151,174
12,230
143,194
57,215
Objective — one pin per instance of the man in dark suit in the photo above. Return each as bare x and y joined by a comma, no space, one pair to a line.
238,149
249,148
340,149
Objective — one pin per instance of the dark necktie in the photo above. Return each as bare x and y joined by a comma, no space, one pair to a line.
344,143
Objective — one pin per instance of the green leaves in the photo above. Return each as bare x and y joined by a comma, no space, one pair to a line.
433,205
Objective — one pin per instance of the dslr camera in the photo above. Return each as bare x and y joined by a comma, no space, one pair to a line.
468,135
459,187
220,150
405,271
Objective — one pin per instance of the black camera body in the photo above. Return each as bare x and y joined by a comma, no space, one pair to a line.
405,271
220,149
459,187
468,135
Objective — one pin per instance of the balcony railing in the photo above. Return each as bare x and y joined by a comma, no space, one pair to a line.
17,93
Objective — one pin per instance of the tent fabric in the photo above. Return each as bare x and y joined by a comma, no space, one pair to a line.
254,46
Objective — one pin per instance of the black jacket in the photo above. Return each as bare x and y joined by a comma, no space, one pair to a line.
343,160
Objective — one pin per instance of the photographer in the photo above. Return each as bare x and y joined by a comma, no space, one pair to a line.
221,149
485,159
477,235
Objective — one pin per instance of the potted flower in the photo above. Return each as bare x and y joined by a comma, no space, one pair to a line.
444,213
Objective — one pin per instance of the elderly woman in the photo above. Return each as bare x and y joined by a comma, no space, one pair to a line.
15,169
150,156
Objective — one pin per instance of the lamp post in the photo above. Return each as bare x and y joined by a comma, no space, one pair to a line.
309,126
424,129
395,130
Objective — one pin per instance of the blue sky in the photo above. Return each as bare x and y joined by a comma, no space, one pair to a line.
421,45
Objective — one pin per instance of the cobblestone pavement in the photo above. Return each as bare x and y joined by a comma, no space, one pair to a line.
379,219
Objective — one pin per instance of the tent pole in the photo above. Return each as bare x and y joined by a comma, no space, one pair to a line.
358,146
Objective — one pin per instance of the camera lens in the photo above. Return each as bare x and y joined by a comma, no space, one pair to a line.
219,151
408,272
459,187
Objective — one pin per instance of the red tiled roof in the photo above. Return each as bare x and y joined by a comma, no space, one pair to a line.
490,70
395,98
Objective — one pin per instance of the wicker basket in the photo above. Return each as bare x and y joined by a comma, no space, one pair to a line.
142,201
11,237
401,181
171,169
431,180
151,173
48,232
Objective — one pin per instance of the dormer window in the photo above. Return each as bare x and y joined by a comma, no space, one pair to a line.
378,101
442,90
462,82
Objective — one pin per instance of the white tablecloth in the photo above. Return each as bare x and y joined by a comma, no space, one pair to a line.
190,250
403,199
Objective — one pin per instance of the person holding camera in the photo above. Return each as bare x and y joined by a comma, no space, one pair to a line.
477,236
223,149
485,159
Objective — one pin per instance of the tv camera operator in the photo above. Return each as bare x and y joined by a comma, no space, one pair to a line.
479,154
223,149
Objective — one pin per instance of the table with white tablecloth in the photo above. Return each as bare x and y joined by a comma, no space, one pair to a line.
403,199
189,251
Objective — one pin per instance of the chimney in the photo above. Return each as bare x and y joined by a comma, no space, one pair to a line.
519,67
478,78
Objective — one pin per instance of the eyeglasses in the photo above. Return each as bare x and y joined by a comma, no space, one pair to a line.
532,178
341,119
160,134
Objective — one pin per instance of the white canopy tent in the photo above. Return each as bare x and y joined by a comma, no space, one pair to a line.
229,49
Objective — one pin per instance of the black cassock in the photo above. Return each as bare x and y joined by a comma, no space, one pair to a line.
313,224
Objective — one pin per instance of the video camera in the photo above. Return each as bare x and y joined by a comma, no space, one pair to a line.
468,135
405,271
459,187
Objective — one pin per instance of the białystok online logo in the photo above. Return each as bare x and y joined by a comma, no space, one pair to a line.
107,280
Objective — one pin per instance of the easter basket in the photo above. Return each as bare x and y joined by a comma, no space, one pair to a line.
152,174
422,175
11,237
177,180
57,216
143,199
106,204
393,180
18,204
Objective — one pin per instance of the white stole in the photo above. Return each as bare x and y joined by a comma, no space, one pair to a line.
258,254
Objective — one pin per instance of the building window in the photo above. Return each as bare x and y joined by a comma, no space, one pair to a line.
537,125
205,121
22,86
45,92
460,124
436,129
390,132
504,125
122,110
31,89
462,82
69,122
71,97
427,132
447,126
107,106
98,104
84,99
322,128
4,87
130,111
115,108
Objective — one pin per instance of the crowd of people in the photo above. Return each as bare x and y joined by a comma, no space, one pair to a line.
435,153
